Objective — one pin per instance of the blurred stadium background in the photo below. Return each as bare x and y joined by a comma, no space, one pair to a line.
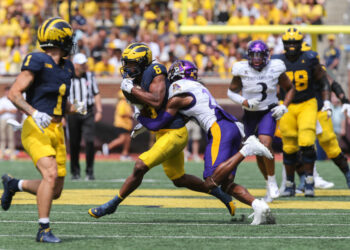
104,28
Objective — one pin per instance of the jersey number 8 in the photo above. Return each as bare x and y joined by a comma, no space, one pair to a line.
300,78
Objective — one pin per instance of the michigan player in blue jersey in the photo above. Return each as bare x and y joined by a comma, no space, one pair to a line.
298,126
45,78
149,86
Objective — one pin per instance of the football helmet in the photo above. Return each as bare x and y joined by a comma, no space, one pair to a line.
258,54
182,69
292,42
135,59
56,32
305,47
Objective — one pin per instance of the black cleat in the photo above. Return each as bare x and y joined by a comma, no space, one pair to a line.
45,235
7,195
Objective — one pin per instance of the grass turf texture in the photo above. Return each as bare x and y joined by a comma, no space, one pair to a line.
150,225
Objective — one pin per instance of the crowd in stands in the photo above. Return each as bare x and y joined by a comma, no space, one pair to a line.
104,28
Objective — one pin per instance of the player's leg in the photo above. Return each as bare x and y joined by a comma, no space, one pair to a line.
75,131
166,146
88,133
307,119
329,143
289,131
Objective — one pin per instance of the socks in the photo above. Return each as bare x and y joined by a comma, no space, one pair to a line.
44,223
271,178
116,200
290,178
218,193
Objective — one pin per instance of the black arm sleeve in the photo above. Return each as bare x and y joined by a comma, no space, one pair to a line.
339,92
325,83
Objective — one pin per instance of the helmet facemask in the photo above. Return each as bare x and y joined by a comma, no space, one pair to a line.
292,48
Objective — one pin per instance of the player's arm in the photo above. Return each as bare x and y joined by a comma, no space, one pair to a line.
339,92
155,96
288,87
164,117
23,81
233,94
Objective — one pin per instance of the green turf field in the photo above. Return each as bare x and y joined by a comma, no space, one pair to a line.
160,216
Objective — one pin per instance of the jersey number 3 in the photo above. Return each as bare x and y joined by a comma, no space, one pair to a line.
300,77
61,92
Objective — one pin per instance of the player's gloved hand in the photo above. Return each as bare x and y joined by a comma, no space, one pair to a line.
253,104
279,111
15,124
346,109
127,85
79,107
41,119
137,108
327,106
138,129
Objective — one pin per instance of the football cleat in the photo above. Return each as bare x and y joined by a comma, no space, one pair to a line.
262,214
46,235
7,195
309,187
107,208
289,191
273,190
231,208
252,146
322,184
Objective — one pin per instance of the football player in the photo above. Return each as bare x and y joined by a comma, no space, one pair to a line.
224,133
45,78
146,83
326,137
298,126
258,79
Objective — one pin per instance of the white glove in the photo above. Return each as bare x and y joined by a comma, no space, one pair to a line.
127,85
137,108
327,106
41,119
253,104
15,124
346,109
79,107
279,111
138,129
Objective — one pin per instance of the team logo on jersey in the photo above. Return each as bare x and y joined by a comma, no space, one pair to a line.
48,65
176,87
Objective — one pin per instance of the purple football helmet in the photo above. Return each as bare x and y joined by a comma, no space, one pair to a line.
258,54
182,69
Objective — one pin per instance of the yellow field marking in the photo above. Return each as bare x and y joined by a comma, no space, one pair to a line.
179,198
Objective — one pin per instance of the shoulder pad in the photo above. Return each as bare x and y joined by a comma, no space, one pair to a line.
238,67
278,65
34,62
180,87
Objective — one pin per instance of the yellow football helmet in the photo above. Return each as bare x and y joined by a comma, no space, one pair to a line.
292,41
135,59
56,32
305,47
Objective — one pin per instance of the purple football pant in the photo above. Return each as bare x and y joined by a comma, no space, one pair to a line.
259,123
224,140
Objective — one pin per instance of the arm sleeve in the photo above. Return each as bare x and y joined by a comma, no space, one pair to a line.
338,90
162,119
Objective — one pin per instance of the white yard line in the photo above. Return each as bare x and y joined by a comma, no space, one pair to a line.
169,223
173,213
185,237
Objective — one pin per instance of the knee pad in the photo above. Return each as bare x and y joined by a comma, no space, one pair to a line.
308,154
290,159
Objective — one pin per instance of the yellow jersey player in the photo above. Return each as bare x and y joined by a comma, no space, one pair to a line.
146,83
45,78
298,126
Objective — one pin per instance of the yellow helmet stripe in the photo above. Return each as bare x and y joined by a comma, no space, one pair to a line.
46,33
43,27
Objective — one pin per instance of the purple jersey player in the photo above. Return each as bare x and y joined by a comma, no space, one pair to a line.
258,79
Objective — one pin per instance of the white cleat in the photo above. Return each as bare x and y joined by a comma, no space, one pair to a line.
262,213
273,190
322,184
252,146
